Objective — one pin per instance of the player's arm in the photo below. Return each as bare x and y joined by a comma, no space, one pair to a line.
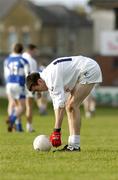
26,66
59,113
26,69
58,98
55,137
6,70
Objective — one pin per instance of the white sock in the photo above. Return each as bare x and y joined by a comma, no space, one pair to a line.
74,140
17,121
92,108
29,126
88,114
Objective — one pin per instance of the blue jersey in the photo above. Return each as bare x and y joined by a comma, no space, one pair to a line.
16,68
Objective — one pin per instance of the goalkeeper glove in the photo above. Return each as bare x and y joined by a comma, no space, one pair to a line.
55,138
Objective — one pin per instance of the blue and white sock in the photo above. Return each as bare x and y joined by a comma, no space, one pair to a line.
12,118
19,127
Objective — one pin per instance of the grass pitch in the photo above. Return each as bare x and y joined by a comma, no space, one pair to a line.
98,159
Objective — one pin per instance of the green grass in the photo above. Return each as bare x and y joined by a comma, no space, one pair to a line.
98,159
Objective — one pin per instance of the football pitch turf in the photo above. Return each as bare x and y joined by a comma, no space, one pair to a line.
98,159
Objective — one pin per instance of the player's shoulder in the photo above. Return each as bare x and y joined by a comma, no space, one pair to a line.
6,59
23,60
25,55
9,59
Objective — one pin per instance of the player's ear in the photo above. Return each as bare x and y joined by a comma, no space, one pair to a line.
39,81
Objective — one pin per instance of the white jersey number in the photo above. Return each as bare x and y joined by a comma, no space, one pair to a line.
13,67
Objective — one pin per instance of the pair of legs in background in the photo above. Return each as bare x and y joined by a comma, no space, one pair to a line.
42,103
16,108
29,113
17,104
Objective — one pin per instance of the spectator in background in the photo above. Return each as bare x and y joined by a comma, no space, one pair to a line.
29,54
16,68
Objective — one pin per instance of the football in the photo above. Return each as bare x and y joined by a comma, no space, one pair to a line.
42,143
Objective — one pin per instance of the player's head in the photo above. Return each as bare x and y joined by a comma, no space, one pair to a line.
18,48
31,46
32,49
35,83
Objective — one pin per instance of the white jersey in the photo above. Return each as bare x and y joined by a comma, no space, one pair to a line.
33,68
63,73
32,62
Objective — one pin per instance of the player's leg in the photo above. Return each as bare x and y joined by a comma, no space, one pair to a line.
93,105
11,104
10,110
42,103
87,106
11,101
80,92
18,121
16,114
19,96
18,124
20,107
29,103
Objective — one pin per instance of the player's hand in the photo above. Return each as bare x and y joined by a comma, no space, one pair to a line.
55,139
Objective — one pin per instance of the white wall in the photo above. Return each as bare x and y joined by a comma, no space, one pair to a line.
103,20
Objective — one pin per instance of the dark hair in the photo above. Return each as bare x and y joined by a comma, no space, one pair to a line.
31,80
31,46
18,48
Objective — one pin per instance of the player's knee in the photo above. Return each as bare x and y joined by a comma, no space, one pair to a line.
21,109
29,116
70,106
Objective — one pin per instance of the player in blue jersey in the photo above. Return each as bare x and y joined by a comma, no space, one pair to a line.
16,68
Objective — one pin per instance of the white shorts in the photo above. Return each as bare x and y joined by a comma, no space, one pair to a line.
91,74
15,91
